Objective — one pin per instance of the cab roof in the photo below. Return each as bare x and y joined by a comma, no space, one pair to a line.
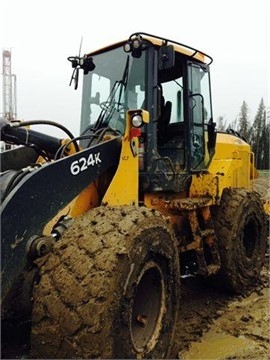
159,41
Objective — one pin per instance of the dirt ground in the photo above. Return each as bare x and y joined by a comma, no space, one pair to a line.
211,325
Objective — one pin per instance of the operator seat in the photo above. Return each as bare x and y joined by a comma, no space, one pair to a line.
164,119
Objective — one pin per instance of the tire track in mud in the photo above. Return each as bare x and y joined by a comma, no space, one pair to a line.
201,306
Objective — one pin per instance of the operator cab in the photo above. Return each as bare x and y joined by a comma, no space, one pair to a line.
172,83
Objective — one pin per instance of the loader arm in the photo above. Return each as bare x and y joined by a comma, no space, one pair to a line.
40,195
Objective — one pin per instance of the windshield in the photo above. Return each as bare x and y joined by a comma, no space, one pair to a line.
116,85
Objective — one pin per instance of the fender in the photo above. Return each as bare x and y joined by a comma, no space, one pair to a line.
47,190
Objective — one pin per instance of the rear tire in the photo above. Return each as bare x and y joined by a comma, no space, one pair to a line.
110,289
240,226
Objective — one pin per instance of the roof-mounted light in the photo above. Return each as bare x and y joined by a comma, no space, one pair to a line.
134,45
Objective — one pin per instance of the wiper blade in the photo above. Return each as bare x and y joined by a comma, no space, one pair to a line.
107,108
123,82
109,105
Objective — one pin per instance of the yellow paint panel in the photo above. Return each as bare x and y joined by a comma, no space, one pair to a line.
124,188
85,201
230,167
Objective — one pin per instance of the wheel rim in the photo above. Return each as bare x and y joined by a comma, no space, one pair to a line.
148,308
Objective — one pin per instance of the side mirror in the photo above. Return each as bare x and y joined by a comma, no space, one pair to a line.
166,57
77,62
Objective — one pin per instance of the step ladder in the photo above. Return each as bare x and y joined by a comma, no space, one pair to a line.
204,241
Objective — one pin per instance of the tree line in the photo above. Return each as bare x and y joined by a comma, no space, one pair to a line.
256,133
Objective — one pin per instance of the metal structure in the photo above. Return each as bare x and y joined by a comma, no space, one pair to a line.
9,88
9,92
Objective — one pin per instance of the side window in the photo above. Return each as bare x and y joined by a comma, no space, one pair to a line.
136,97
205,90
140,96
173,92
199,112
101,88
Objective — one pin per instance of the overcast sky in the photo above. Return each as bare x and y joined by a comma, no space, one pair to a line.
43,33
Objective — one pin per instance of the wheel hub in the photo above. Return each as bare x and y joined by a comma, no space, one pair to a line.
148,308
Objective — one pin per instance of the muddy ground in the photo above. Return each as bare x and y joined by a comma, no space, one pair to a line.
211,325
214,325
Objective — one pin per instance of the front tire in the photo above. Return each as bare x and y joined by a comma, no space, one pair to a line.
110,289
240,226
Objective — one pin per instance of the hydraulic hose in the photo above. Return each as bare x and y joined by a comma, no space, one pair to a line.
16,133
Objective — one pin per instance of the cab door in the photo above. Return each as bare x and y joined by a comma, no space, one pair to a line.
199,115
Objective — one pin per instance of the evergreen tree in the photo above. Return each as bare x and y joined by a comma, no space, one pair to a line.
221,123
233,125
243,122
265,142
258,135
266,145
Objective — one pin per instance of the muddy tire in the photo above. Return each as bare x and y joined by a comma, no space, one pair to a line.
240,226
109,290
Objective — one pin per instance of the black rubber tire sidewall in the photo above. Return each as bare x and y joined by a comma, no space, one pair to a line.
146,247
64,325
238,208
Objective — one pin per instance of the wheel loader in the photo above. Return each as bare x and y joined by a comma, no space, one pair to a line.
98,229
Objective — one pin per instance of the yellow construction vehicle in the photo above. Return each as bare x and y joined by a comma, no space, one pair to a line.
97,230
